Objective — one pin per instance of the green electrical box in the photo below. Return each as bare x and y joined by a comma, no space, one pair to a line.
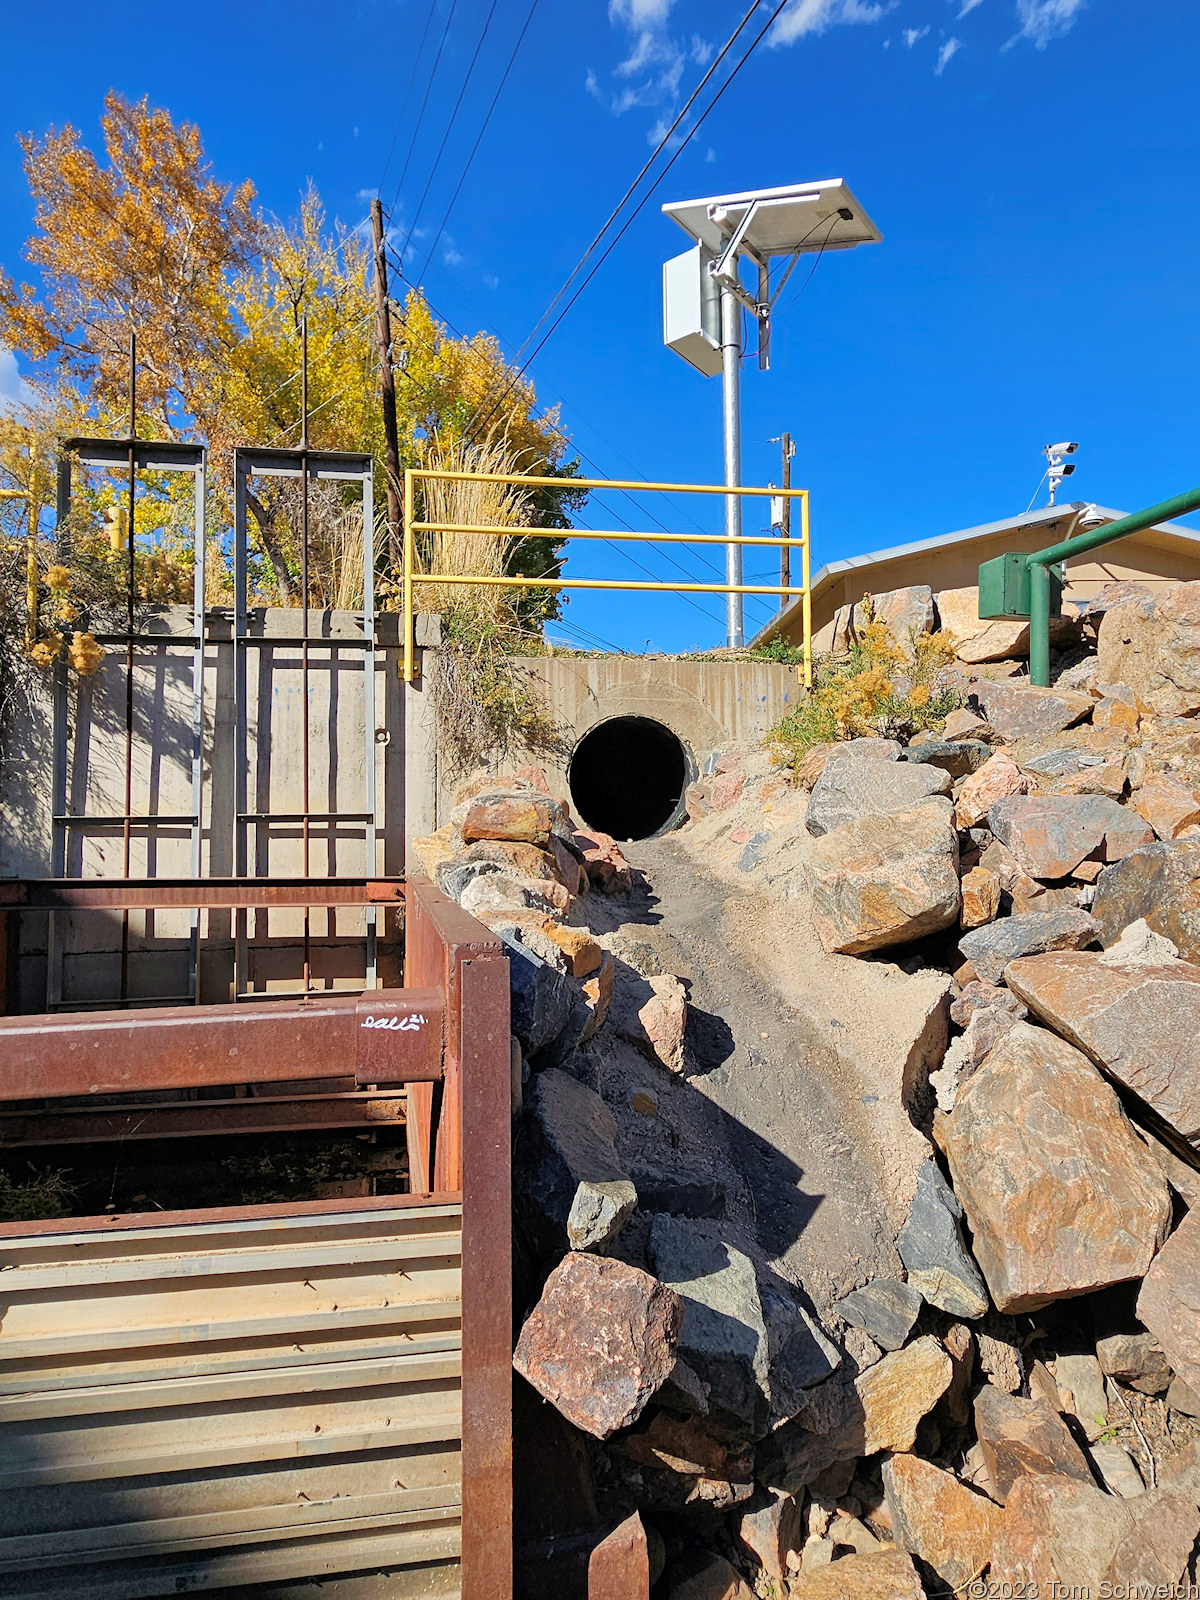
1004,587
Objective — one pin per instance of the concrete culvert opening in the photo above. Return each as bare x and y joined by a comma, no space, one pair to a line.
627,777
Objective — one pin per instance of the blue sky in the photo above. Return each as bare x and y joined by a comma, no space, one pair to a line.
1032,165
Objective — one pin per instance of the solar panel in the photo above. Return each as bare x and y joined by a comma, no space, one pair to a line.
797,217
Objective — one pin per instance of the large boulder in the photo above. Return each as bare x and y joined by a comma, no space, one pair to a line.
600,1342
958,757
1061,1194
542,997
885,1309
998,639
1159,883
939,1519
991,948
933,1251
743,1334
1016,712
1024,1436
885,880
570,1186
1171,808
1049,835
878,1575
496,855
881,1410
521,815
1062,1536
1152,643
1169,1301
855,787
1140,1023
996,779
903,612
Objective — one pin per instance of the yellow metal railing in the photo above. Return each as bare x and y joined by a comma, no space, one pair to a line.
412,527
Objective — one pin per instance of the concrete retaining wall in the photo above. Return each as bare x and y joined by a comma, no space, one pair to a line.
708,705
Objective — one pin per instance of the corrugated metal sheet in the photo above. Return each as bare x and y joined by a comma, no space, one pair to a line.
195,1406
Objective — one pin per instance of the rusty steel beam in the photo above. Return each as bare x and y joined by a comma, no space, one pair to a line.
213,894
484,1066
190,1119
191,1047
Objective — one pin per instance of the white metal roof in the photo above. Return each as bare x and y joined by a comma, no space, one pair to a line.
1048,516
796,216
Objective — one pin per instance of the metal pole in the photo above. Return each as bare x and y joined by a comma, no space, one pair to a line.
1067,550
785,528
1039,624
806,603
130,583
731,413
304,699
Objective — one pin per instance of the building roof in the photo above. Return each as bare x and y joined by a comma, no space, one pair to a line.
1048,517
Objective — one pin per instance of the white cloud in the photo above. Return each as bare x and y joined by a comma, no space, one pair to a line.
491,281
652,70
452,257
1043,20
946,54
814,16
640,13
367,194
710,154
14,391
966,8
913,35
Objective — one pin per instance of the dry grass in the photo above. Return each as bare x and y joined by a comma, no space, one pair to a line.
479,555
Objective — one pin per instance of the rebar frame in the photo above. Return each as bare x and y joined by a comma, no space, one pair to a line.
307,465
135,456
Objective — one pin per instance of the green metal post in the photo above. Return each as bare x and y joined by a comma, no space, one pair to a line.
1039,623
1066,550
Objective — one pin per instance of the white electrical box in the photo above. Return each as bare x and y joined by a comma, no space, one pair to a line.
692,311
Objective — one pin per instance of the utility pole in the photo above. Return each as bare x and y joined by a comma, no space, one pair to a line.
387,384
731,374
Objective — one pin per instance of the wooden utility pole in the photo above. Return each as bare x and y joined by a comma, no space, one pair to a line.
785,526
387,386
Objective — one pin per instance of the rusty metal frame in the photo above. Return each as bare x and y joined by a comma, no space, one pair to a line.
461,1135
307,465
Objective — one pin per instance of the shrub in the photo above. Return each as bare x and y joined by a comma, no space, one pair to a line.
875,689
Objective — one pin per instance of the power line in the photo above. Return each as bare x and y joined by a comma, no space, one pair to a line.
634,213
453,119
659,147
462,177
619,548
425,99
572,444
412,78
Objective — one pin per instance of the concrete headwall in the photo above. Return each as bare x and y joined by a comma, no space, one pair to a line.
708,705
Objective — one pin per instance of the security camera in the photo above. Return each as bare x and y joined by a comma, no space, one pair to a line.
1091,518
1060,449
1065,472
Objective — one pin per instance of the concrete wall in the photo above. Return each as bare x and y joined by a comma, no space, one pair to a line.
708,705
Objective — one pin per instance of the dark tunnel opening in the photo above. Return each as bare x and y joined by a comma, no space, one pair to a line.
627,777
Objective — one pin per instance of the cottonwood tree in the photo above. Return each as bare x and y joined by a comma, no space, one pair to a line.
148,241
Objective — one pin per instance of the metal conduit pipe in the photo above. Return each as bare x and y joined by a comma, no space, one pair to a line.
1041,561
